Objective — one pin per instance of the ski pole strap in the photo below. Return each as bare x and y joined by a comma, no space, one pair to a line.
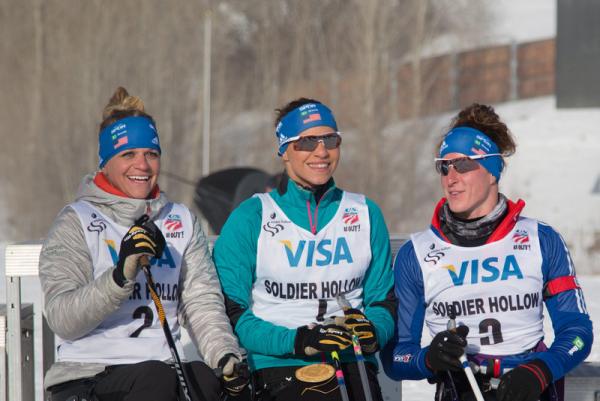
558,285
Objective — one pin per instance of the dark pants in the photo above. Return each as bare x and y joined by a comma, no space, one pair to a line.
149,380
280,384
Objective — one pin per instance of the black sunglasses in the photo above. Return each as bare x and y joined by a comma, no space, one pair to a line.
310,143
461,164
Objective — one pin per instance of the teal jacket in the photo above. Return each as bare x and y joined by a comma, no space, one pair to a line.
270,345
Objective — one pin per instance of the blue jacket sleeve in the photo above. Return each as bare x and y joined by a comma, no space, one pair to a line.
573,335
235,258
378,296
408,358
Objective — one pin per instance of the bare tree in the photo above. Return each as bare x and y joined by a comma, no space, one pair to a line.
65,58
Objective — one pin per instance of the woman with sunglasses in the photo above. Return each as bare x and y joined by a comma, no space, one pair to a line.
284,256
491,269
111,344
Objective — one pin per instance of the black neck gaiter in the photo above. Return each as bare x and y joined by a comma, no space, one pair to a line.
473,232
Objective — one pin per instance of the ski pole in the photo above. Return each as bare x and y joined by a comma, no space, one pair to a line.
340,375
463,360
181,375
360,359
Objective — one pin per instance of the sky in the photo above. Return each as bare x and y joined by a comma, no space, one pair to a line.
508,21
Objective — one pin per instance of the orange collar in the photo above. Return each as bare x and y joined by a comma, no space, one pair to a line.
102,182
506,226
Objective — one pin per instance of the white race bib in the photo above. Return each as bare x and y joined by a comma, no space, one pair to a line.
495,289
298,273
133,332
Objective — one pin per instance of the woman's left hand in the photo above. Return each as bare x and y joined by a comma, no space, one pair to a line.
525,382
234,374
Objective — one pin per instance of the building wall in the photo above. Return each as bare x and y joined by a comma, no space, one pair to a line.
491,75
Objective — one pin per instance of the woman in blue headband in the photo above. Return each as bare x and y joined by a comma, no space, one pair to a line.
488,269
111,345
282,258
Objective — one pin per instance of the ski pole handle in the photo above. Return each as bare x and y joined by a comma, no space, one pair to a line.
343,302
144,262
463,360
360,360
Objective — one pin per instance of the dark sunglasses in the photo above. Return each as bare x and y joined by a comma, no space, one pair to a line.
461,164
310,143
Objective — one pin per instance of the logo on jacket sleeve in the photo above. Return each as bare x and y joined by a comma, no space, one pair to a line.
406,358
578,345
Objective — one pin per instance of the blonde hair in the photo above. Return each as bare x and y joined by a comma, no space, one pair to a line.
122,105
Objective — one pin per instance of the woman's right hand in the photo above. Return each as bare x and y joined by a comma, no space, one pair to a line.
144,238
446,348
312,339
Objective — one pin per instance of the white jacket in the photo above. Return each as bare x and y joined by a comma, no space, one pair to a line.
75,302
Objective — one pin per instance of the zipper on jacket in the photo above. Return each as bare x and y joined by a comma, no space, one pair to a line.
313,227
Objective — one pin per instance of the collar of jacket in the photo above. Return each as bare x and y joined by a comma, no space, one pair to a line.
296,196
122,210
103,183
506,226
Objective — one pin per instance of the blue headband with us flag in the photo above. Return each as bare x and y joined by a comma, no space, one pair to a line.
472,142
127,133
299,120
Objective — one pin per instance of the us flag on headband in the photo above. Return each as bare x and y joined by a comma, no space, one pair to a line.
311,118
120,142
478,151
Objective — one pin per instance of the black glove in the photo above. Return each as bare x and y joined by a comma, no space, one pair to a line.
311,340
142,239
525,382
234,374
356,322
445,349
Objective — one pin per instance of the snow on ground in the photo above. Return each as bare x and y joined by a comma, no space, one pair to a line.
555,170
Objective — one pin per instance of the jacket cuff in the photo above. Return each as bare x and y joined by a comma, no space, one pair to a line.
119,277
541,372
